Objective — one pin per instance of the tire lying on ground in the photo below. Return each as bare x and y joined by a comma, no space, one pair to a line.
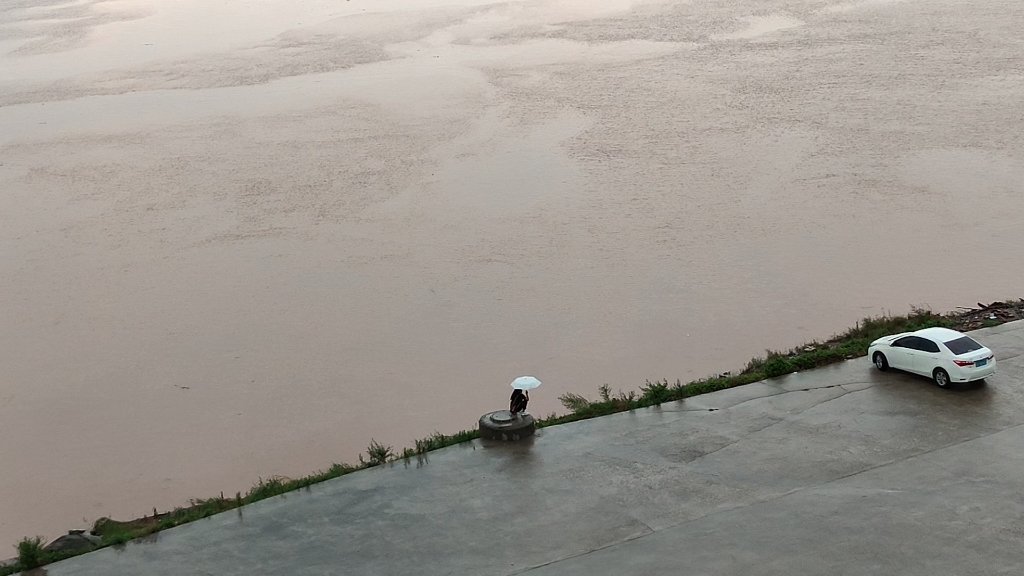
501,425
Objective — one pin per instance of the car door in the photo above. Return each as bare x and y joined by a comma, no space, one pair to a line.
899,355
926,356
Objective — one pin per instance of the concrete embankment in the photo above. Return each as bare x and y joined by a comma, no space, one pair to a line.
839,470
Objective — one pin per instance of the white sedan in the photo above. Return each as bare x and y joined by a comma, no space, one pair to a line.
940,353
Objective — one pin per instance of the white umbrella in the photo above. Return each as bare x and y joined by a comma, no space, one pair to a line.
525,383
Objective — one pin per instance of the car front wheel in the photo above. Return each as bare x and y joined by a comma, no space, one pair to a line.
880,362
941,377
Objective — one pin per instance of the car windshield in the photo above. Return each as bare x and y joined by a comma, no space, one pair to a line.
963,345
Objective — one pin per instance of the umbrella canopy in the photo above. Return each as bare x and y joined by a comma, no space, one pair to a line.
525,383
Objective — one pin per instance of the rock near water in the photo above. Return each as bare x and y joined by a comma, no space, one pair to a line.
73,540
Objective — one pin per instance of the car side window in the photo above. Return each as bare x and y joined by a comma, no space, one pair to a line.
915,343
905,342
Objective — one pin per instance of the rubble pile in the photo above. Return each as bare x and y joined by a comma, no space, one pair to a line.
988,314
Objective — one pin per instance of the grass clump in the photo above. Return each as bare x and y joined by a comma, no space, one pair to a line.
438,440
30,552
777,365
573,402
378,453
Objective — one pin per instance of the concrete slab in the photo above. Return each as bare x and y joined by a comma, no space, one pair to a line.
843,470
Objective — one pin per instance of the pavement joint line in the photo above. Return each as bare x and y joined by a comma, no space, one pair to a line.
779,393
871,384
786,418
581,554
798,490
936,465
768,396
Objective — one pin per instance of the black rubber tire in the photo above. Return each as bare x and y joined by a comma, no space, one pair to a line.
881,362
941,377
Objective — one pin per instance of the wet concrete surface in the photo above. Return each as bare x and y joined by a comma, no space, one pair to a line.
841,470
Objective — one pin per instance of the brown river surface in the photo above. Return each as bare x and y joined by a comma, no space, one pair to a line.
241,238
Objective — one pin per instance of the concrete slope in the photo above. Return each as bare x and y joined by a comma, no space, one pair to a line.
841,470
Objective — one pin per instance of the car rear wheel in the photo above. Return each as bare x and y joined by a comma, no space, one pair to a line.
941,377
880,362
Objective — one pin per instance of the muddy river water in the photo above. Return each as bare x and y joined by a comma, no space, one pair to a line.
240,239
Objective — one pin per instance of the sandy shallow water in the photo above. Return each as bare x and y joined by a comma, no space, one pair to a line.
240,239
